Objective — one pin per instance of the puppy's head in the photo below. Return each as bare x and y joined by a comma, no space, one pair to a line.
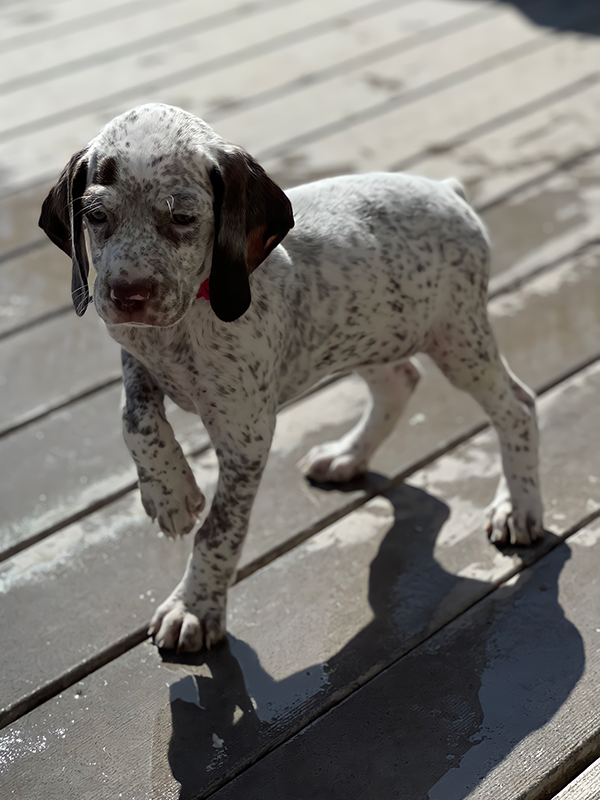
164,203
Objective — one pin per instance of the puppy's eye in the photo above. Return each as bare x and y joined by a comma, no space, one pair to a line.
96,216
183,219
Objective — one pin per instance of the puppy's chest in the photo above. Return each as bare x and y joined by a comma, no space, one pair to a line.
172,361
179,382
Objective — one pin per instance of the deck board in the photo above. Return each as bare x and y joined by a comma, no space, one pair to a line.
20,25
143,28
71,461
359,91
564,60
32,286
585,787
400,128
81,356
519,150
271,25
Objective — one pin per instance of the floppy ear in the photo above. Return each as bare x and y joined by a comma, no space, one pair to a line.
252,215
61,220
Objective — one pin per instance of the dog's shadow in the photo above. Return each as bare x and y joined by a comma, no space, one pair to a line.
577,15
229,710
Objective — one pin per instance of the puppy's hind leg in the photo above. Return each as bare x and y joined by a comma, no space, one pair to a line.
470,359
390,387
501,527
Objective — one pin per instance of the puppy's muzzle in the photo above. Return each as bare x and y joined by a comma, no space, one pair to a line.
130,300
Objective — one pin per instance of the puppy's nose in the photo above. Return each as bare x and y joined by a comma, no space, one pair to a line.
130,296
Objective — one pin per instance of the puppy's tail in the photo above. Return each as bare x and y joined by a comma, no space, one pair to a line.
456,186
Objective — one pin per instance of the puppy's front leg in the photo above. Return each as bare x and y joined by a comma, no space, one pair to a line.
194,615
168,488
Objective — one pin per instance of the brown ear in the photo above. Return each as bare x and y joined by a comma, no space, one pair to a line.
252,215
61,220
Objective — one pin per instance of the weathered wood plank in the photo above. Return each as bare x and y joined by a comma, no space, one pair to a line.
364,40
585,787
498,705
130,75
134,28
567,213
56,143
71,462
364,30
59,154
311,627
36,284
492,162
411,125
564,302
52,580
365,88
19,214
65,357
18,24
19,234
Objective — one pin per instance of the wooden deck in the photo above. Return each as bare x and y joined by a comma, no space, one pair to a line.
379,647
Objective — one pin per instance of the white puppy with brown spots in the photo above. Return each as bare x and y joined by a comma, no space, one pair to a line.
365,272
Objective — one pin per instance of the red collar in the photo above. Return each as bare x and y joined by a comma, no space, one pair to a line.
203,291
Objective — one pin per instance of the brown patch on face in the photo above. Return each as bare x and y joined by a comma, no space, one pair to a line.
106,172
258,248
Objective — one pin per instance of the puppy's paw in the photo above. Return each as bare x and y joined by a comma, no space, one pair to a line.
514,526
334,462
188,626
174,501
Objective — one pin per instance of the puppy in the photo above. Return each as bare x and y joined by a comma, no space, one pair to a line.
232,297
